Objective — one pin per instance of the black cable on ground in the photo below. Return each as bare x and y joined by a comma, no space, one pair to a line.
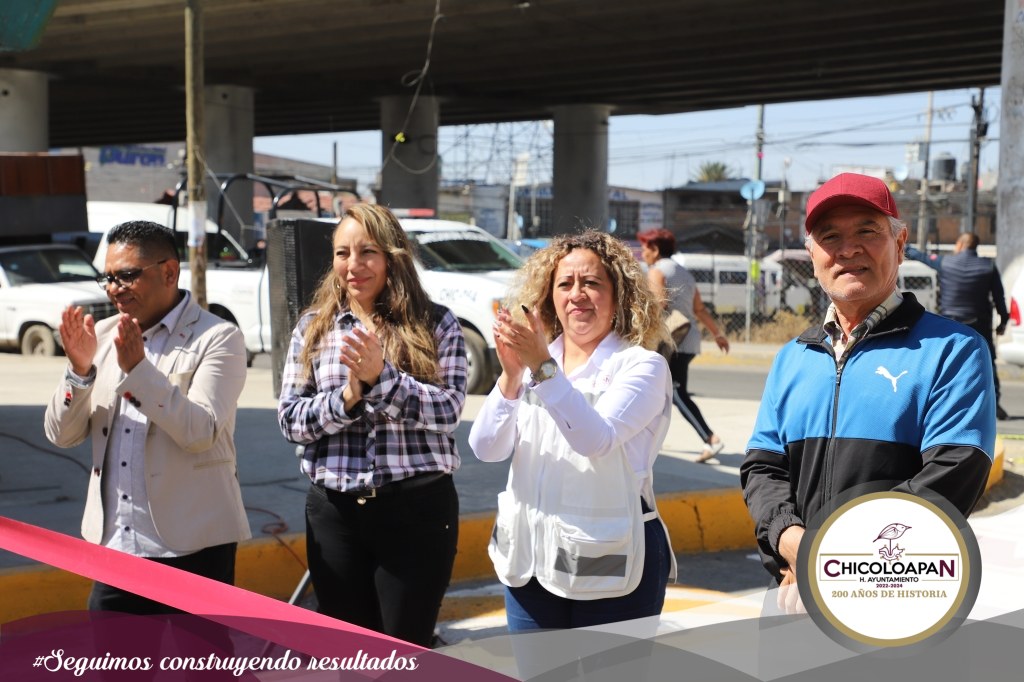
47,451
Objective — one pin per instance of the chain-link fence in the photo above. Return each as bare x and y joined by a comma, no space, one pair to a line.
783,294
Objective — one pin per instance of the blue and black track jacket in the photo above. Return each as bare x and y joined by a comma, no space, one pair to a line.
914,403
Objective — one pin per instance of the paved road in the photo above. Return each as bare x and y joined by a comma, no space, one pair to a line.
746,382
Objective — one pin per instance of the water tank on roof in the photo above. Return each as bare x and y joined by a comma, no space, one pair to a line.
944,168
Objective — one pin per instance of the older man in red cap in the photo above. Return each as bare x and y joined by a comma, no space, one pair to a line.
881,395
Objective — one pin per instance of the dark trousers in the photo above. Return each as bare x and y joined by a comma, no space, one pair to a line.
384,564
190,636
679,366
216,563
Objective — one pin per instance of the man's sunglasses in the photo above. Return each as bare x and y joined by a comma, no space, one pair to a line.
125,278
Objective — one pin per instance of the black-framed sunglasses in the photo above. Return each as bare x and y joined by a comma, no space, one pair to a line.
125,278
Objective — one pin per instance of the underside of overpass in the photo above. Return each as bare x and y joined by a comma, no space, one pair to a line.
117,66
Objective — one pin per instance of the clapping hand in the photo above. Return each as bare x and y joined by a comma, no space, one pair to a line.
512,367
78,336
363,355
128,343
519,346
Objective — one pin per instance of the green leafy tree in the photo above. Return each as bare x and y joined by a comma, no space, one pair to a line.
713,171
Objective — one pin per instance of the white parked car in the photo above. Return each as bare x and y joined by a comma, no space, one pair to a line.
1013,350
37,282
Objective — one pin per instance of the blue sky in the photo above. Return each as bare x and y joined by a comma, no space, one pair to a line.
804,140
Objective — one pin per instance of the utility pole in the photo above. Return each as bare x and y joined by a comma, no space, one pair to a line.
335,207
979,129
753,268
760,142
783,203
194,145
519,168
922,206
334,162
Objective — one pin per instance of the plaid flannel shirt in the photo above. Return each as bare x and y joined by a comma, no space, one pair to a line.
834,329
401,428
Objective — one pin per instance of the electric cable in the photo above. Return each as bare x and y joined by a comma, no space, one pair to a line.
47,451
417,79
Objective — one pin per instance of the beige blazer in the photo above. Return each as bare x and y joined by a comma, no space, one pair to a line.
190,397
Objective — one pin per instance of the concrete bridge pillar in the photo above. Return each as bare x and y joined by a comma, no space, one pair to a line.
410,167
229,124
1010,193
580,167
24,111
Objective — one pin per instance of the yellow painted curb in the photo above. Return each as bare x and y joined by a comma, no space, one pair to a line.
707,520
995,474
271,566
274,566
697,521
32,590
471,561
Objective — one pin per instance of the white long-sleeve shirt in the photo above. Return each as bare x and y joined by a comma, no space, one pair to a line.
583,450
597,410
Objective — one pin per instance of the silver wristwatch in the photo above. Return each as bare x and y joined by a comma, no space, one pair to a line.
547,369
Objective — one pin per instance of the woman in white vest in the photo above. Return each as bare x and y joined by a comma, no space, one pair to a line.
582,407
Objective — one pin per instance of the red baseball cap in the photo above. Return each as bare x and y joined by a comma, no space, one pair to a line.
850,188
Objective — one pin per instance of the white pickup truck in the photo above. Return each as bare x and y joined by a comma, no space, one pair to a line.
234,284
462,267
37,282
466,269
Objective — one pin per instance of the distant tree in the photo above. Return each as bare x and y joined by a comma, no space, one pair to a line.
713,171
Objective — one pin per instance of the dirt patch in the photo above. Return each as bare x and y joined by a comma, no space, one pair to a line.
780,329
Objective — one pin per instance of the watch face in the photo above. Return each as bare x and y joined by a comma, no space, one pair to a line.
548,369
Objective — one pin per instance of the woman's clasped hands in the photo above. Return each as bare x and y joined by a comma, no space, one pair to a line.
363,355
519,347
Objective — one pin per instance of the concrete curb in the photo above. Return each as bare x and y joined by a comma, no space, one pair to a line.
701,521
697,521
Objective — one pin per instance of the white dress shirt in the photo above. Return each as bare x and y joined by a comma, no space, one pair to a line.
127,523
628,413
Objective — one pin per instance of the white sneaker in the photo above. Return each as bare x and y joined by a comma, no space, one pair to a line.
710,450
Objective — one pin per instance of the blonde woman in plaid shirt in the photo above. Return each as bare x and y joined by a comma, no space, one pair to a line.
373,388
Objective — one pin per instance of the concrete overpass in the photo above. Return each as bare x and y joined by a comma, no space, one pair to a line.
117,72
114,69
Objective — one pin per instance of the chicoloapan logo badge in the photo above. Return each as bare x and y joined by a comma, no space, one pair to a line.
888,569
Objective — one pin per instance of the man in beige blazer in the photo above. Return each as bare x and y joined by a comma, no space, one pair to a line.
155,389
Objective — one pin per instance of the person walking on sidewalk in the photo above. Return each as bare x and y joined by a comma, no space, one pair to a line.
155,389
673,284
373,388
883,392
582,407
969,286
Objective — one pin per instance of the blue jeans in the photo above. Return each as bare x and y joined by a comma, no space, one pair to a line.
531,607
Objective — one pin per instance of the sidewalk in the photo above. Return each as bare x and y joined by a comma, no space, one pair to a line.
39,484
42,485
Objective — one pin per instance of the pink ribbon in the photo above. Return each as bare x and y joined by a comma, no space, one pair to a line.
234,607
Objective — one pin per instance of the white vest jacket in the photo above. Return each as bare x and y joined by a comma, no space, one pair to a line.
572,521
